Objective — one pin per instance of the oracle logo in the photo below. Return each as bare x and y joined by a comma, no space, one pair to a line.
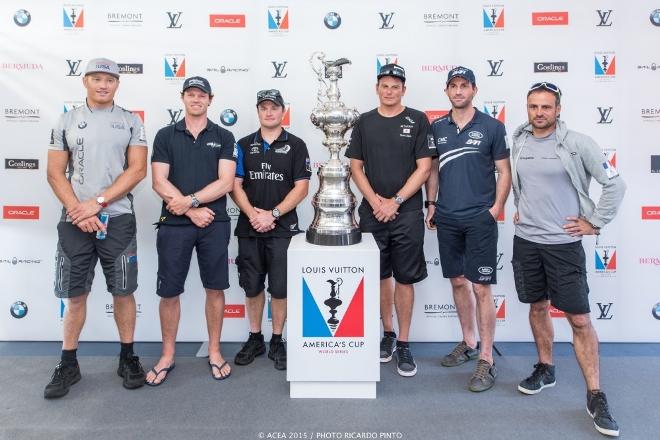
549,18
20,212
556,313
650,212
226,20
432,115
234,310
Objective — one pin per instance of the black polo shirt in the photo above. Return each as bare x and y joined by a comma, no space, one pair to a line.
389,148
193,163
467,168
269,173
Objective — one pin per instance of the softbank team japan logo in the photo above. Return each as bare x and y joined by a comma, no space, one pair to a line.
495,109
493,17
175,66
74,17
278,19
604,65
383,59
605,259
328,311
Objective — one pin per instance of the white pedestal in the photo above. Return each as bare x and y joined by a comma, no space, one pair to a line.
333,358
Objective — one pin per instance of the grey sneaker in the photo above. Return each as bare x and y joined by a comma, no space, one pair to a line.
484,376
405,364
459,355
543,376
387,348
600,412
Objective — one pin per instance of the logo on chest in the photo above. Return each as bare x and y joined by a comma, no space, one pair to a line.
475,138
283,150
118,125
255,148
214,144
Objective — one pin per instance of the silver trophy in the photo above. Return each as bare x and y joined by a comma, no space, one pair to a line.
334,204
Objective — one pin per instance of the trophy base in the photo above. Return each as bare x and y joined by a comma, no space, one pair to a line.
343,239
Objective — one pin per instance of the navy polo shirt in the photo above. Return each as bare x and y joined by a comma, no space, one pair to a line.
193,163
269,173
467,164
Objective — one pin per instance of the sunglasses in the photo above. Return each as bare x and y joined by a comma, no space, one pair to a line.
546,86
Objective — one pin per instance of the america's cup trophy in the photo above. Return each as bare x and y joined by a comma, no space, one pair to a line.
334,204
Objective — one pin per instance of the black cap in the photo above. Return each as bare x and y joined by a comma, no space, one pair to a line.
461,72
272,95
199,83
393,70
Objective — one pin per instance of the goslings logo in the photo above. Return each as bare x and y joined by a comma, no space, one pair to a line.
18,310
604,65
550,67
175,66
383,59
493,18
22,18
22,164
549,18
130,69
74,17
278,19
332,20
495,109
605,260
345,314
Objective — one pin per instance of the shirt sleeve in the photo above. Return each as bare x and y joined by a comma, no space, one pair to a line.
424,144
229,149
302,167
161,151
500,148
354,150
57,136
138,135
240,166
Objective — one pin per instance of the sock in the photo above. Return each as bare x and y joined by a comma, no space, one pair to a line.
69,357
126,349
256,335
390,334
275,339
401,344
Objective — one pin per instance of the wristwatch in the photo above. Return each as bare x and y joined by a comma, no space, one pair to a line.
429,203
100,200
398,199
595,228
276,213
195,202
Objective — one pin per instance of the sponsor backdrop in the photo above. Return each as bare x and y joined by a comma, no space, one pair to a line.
598,52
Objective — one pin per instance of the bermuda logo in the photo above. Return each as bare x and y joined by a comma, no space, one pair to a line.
343,317
476,135
493,17
485,270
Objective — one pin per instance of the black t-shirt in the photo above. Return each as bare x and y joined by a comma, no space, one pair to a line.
389,148
193,163
269,173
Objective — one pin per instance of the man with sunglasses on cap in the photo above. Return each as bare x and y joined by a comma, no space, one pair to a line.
471,146
552,169
192,165
97,155
390,151
272,178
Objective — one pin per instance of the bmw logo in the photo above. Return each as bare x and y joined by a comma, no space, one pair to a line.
332,20
228,117
656,311
18,310
22,18
82,125
655,17
14,261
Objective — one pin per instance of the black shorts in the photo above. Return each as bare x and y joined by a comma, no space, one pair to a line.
175,245
78,252
261,256
401,244
551,271
468,247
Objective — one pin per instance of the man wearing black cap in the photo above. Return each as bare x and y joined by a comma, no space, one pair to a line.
105,150
390,151
272,178
471,145
193,165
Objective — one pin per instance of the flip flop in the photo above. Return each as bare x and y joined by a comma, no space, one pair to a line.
165,370
212,366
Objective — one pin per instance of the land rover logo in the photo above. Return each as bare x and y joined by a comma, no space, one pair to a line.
476,135
485,270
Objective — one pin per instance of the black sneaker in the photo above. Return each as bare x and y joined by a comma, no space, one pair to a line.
484,376
459,355
387,348
543,376
405,364
277,353
131,370
599,411
254,347
63,377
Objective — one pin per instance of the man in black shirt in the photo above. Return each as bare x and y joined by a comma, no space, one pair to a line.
272,178
193,166
391,152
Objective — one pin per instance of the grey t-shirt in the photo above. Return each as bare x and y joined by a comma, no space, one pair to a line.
547,195
97,141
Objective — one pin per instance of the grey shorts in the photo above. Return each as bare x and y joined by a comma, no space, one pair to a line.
78,252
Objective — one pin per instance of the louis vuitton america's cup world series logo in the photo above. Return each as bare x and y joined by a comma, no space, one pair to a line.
344,317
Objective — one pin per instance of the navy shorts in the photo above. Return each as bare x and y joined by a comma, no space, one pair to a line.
401,244
551,271
175,245
259,257
468,247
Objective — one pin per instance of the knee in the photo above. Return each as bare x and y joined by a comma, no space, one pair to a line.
77,302
539,308
579,323
481,291
459,283
170,302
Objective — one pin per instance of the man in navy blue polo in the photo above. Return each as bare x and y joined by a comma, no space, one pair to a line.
193,166
471,145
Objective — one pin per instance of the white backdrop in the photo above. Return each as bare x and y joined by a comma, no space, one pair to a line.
43,52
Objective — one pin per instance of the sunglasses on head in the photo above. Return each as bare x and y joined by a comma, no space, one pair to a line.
546,86
270,92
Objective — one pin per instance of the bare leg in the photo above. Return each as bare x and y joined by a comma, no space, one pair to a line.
278,312
255,311
124,312
542,329
485,319
387,303
215,312
170,312
585,342
466,308
404,297
74,320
